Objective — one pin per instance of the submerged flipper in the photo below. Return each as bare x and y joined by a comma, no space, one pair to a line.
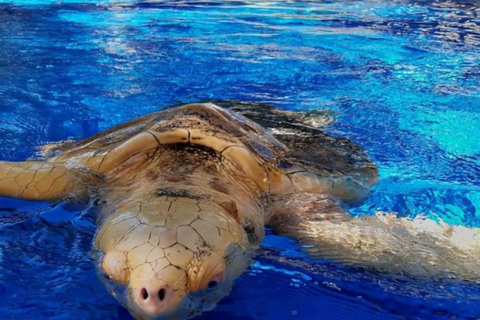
385,243
34,180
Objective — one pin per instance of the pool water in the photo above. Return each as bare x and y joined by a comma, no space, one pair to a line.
400,78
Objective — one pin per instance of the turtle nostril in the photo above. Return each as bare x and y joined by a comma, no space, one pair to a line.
144,294
161,294
212,284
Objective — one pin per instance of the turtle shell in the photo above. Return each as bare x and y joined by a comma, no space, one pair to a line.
308,145
280,151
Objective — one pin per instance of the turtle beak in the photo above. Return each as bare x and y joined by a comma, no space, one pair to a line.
155,299
156,295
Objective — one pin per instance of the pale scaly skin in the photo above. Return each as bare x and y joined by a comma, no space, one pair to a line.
186,192
33,180
384,242
186,246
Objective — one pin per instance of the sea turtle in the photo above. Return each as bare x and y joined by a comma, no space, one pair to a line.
185,194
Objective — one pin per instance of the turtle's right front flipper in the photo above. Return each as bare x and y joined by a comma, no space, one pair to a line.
36,180
384,242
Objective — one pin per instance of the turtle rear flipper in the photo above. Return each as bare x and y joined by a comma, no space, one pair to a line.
35,180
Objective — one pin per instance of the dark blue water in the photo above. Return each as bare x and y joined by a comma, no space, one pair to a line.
401,78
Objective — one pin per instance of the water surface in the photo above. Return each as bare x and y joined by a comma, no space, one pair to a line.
401,79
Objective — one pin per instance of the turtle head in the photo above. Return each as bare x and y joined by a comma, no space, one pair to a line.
170,258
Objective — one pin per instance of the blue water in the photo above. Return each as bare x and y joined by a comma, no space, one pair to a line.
401,79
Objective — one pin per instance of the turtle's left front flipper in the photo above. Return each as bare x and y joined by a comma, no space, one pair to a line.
37,180
384,242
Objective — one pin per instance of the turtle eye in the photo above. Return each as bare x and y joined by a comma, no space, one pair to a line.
214,281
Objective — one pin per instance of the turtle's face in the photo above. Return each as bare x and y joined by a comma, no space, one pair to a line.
171,259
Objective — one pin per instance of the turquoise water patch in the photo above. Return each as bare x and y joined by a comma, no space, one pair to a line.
453,130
